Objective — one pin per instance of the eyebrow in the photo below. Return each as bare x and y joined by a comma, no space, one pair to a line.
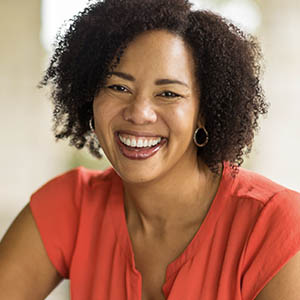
157,82
169,81
123,75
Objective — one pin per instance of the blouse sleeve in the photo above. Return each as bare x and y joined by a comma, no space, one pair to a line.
55,208
274,240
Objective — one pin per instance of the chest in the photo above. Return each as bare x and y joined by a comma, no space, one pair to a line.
152,257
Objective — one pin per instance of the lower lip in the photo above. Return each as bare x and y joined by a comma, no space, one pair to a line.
139,153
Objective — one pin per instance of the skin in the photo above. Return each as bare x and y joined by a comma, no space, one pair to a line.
286,284
159,230
26,272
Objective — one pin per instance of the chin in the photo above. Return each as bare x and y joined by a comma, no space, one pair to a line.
136,175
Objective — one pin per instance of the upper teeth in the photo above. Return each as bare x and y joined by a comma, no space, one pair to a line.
139,142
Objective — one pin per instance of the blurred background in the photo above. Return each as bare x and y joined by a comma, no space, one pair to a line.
29,155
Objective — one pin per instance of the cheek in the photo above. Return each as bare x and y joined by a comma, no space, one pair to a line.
105,111
183,119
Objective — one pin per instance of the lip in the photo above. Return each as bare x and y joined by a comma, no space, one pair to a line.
139,153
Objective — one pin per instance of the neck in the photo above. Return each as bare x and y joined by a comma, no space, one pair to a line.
179,199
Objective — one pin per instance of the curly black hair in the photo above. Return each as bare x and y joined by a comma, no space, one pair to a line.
227,70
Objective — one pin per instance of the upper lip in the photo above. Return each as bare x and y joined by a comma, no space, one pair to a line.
138,133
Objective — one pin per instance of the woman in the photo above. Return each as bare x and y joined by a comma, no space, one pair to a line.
173,97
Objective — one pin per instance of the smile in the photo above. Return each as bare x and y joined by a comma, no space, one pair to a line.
139,142
139,147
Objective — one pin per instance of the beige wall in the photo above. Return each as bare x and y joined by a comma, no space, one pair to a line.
277,151
29,156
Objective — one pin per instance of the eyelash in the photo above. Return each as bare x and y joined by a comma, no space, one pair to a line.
171,94
122,89
118,88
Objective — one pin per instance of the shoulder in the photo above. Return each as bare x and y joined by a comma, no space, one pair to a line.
274,237
75,180
82,175
64,195
251,185
277,207
62,205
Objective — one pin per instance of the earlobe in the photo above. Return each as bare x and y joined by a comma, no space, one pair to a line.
200,124
201,120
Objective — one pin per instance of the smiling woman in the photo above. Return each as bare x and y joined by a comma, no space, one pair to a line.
172,96
150,109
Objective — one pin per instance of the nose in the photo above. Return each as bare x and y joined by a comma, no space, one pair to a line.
140,111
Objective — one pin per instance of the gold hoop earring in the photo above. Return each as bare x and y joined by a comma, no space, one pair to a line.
200,137
94,138
91,125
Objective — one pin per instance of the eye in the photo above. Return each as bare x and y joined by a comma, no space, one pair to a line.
118,88
169,94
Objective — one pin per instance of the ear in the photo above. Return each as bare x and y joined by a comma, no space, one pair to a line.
201,121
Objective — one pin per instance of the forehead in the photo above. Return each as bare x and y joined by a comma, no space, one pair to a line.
158,52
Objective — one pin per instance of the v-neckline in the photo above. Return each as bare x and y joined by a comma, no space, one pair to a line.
117,208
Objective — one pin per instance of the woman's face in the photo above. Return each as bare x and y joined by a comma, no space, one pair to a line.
146,114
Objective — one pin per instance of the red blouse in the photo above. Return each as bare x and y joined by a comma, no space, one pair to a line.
251,230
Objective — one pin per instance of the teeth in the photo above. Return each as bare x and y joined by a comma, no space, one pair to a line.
139,143
133,143
128,142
